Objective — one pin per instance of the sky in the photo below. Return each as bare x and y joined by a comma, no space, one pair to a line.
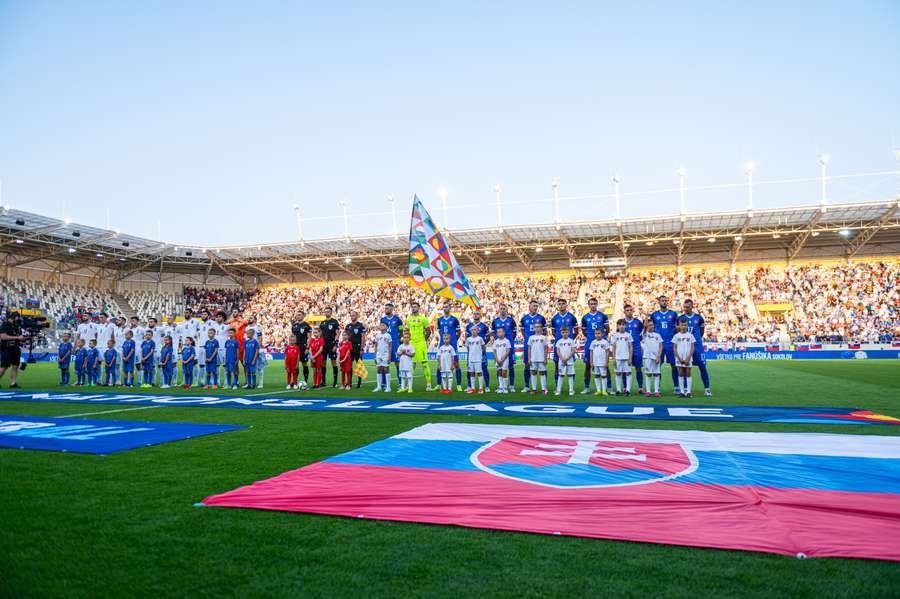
205,122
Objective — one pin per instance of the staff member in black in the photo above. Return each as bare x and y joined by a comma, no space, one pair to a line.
329,329
357,333
10,349
301,330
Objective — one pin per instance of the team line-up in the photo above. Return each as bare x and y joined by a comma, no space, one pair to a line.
212,352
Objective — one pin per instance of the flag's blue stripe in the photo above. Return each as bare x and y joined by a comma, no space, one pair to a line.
786,471
413,453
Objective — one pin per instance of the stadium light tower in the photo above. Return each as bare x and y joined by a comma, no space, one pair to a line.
443,193
393,215
615,181
749,168
497,191
343,205
681,173
299,214
823,165
555,185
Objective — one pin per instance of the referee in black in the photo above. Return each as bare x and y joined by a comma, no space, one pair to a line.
357,333
301,329
329,329
11,338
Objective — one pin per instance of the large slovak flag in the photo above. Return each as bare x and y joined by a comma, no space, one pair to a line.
812,494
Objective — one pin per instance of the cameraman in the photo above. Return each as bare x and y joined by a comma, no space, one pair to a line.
11,338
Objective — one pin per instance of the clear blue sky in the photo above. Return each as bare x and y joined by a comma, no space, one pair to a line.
216,117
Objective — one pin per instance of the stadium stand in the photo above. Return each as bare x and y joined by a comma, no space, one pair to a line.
828,303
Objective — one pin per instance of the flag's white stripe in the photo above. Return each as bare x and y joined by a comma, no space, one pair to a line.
823,444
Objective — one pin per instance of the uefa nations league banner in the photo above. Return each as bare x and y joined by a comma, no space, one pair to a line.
812,415
79,435
802,494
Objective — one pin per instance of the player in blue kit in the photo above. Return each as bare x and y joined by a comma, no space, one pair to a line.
527,323
188,362
449,326
80,362
562,319
393,323
696,326
93,360
508,324
251,358
664,323
635,328
231,359
594,325
128,356
476,327
167,362
148,362
110,364
64,358
211,355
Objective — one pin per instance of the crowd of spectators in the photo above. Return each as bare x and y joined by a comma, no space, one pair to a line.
834,303
228,300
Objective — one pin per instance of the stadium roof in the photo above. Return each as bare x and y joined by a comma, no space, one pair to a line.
838,230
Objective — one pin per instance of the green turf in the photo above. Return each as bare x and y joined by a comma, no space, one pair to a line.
124,525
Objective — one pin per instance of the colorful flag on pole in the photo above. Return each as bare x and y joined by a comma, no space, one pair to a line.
432,266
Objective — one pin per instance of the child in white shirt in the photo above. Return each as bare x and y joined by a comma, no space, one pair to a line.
502,349
475,347
599,362
565,354
684,351
538,348
405,353
651,346
622,352
383,359
446,355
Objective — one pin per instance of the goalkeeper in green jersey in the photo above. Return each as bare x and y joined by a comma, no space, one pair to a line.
417,326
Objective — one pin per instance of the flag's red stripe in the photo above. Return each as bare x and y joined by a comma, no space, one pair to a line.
787,521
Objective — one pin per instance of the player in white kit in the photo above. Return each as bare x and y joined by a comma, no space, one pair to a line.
651,346
502,349
538,349
622,352
565,355
599,364
446,355
405,354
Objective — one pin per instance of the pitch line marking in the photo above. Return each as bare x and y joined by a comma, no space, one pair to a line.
111,411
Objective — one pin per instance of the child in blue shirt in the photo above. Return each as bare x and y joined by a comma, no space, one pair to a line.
167,362
64,357
188,362
231,359
93,359
81,363
251,357
211,347
148,350
111,362
128,356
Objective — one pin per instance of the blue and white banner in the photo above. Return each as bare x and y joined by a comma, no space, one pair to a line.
310,402
80,435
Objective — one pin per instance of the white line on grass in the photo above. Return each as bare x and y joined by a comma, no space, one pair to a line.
269,393
111,411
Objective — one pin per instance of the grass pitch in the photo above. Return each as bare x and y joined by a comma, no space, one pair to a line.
125,525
